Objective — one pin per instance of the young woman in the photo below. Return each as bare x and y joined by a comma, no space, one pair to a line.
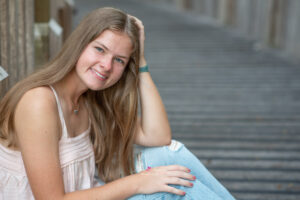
80,111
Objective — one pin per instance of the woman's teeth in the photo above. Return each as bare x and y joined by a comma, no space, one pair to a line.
98,74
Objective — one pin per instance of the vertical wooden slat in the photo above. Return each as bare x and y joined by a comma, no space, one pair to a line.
42,11
0,36
55,38
209,8
188,4
222,11
65,18
281,21
296,51
244,17
215,9
258,19
198,6
232,12
293,29
21,39
55,5
4,42
227,12
262,22
29,24
251,19
13,24
16,36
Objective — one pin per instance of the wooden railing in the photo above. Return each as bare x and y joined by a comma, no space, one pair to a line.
16,40
31,33
272,23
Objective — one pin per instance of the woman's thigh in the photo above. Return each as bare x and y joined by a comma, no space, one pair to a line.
205,185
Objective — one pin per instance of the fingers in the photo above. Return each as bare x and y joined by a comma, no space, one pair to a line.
137,21
140,26
174,170
173,190
179,181
181,174
177,168
174,174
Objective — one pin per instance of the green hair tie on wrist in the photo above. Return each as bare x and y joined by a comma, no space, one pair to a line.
144,69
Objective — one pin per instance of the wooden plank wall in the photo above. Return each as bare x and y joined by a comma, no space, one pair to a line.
19,20
16,40
273,23
58,21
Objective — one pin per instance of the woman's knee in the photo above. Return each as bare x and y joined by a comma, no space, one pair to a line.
175,145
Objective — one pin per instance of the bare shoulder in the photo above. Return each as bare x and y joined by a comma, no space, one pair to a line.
37,108
38,133
39,96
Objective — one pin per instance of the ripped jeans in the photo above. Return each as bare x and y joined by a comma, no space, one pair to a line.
206,187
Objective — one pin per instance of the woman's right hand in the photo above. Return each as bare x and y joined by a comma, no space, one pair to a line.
158,179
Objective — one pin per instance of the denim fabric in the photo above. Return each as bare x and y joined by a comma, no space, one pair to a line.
206,187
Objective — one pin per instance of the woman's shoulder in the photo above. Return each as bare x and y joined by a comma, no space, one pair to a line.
37,110
39,99
41,91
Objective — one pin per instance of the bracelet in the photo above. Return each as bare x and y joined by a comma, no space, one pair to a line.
144,69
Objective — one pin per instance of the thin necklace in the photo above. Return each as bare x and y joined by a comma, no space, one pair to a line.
76,108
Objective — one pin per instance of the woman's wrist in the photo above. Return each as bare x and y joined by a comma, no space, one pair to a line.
144,69
135,183
142,62
143,65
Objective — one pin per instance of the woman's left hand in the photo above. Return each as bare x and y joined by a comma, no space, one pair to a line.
140,25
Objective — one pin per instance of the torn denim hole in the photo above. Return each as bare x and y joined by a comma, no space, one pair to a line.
139,163
175,145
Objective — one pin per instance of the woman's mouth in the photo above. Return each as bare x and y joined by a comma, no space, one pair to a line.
99,75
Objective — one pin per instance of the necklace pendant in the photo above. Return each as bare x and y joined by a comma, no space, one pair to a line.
76,111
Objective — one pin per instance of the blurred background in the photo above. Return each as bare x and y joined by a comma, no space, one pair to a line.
228,72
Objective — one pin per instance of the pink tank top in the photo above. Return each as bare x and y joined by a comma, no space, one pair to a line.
76,158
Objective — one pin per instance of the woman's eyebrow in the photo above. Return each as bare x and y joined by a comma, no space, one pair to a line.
106,48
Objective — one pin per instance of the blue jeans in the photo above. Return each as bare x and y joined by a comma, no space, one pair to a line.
206,187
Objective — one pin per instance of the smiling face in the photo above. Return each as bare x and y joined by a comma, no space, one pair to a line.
104,60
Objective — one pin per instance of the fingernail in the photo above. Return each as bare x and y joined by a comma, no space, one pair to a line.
194,177
183,193
189,170
191,184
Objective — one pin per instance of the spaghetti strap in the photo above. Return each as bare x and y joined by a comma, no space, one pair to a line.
61,114
76,158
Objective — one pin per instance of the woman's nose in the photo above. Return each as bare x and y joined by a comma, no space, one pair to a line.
106,63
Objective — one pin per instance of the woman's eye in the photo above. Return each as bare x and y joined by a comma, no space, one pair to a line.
119,60
99,49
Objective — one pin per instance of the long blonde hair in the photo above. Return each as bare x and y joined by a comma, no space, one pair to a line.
113,111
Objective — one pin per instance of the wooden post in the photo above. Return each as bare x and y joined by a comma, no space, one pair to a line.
65,18
55,38
21,42
4,39
293,30
42,11
29,37
198,6
16,40
13,47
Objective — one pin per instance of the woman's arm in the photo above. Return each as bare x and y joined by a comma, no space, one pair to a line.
153,126
37,127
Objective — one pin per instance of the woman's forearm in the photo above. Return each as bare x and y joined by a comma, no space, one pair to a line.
122,188
154,119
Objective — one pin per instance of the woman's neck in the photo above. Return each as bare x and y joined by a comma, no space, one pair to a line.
70,88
